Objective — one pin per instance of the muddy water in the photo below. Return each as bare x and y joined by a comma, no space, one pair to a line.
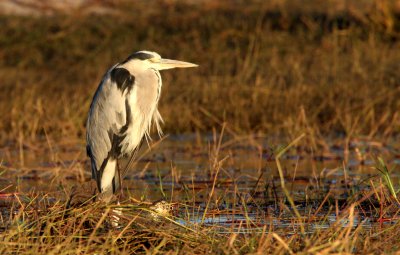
234,184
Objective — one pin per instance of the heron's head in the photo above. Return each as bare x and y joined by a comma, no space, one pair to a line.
152,60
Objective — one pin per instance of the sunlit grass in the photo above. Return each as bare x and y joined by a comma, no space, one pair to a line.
382,168
38,223
274,73
349,217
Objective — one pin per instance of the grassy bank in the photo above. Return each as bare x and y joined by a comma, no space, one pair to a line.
263,68
344,216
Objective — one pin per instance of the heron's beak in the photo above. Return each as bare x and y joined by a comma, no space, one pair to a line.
164,64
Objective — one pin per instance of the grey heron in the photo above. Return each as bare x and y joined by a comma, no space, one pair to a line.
121,114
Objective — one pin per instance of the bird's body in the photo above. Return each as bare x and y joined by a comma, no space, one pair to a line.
121,114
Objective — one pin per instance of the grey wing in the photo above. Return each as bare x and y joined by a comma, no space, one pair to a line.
107,118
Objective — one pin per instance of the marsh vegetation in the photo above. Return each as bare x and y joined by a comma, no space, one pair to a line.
284,140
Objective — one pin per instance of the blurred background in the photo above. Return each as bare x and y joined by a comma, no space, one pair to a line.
328,68
287,131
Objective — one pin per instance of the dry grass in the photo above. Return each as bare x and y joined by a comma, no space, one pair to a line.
318,222
279,70
58,230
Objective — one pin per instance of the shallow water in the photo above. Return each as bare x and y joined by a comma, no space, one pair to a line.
235,186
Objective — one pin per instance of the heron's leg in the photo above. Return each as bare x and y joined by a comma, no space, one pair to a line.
117,212
119,178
